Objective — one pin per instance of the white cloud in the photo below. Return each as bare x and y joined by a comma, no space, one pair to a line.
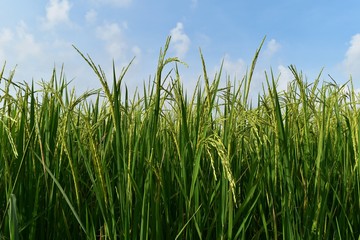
116,44
57,12
234,69
194,3
91,16
118,3
136,51
272,47
121,3
285,78
179,40
111,34
26,46
6,35
20,44
351,62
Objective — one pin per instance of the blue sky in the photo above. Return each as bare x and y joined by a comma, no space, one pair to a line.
35,36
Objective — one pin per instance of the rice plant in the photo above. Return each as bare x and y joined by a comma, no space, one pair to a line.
168,164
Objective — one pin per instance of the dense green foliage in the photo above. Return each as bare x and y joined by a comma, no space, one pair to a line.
164,165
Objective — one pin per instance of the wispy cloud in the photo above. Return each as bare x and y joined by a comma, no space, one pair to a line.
6,35
57,12
116,45
234,68
179,40
18,43
136,51
194,3
26,45
271,48
112,34
118,3
121,3
351,62
285,77
91,16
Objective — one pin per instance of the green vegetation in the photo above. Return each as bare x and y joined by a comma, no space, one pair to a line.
167,165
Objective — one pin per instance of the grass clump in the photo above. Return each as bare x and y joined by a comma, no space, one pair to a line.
164,165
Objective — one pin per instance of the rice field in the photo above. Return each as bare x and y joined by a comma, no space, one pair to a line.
169,164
